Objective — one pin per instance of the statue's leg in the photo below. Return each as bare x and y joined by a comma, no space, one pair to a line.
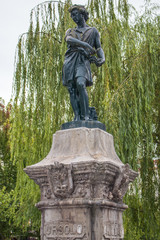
74,102
83,98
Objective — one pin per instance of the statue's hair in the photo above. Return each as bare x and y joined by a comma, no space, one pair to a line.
82,10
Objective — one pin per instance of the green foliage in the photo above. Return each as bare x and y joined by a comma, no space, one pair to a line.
5,213
125,93
7,169
7,174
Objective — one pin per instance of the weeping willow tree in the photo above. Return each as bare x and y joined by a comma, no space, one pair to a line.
125,94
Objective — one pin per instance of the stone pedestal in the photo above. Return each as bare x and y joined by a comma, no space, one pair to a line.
82,184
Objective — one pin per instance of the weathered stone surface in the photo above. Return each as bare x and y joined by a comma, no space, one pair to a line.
82,184
77,220
80,144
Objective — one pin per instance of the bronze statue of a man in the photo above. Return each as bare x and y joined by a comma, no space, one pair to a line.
82,42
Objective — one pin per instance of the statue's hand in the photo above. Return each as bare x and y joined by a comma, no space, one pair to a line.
93,59
91,49
97,61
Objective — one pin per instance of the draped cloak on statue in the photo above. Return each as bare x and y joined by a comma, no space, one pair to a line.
76,63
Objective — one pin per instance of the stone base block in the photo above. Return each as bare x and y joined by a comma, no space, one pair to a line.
87,220
82,184
66,223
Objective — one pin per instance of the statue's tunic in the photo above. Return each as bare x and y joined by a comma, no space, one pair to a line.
76,63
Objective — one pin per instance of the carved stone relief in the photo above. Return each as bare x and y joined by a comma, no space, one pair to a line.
82,191
113,230
48,193
41,180
60,180
121,182
90,181
103,191
64,230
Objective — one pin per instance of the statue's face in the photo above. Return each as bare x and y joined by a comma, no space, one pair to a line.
77,16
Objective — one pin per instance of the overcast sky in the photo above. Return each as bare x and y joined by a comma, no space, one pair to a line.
14,20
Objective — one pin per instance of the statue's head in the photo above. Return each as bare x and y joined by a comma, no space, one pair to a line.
78,10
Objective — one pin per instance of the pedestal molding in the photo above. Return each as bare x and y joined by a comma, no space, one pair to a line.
82,183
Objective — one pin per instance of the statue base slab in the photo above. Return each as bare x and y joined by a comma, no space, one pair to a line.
82,184
87,124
